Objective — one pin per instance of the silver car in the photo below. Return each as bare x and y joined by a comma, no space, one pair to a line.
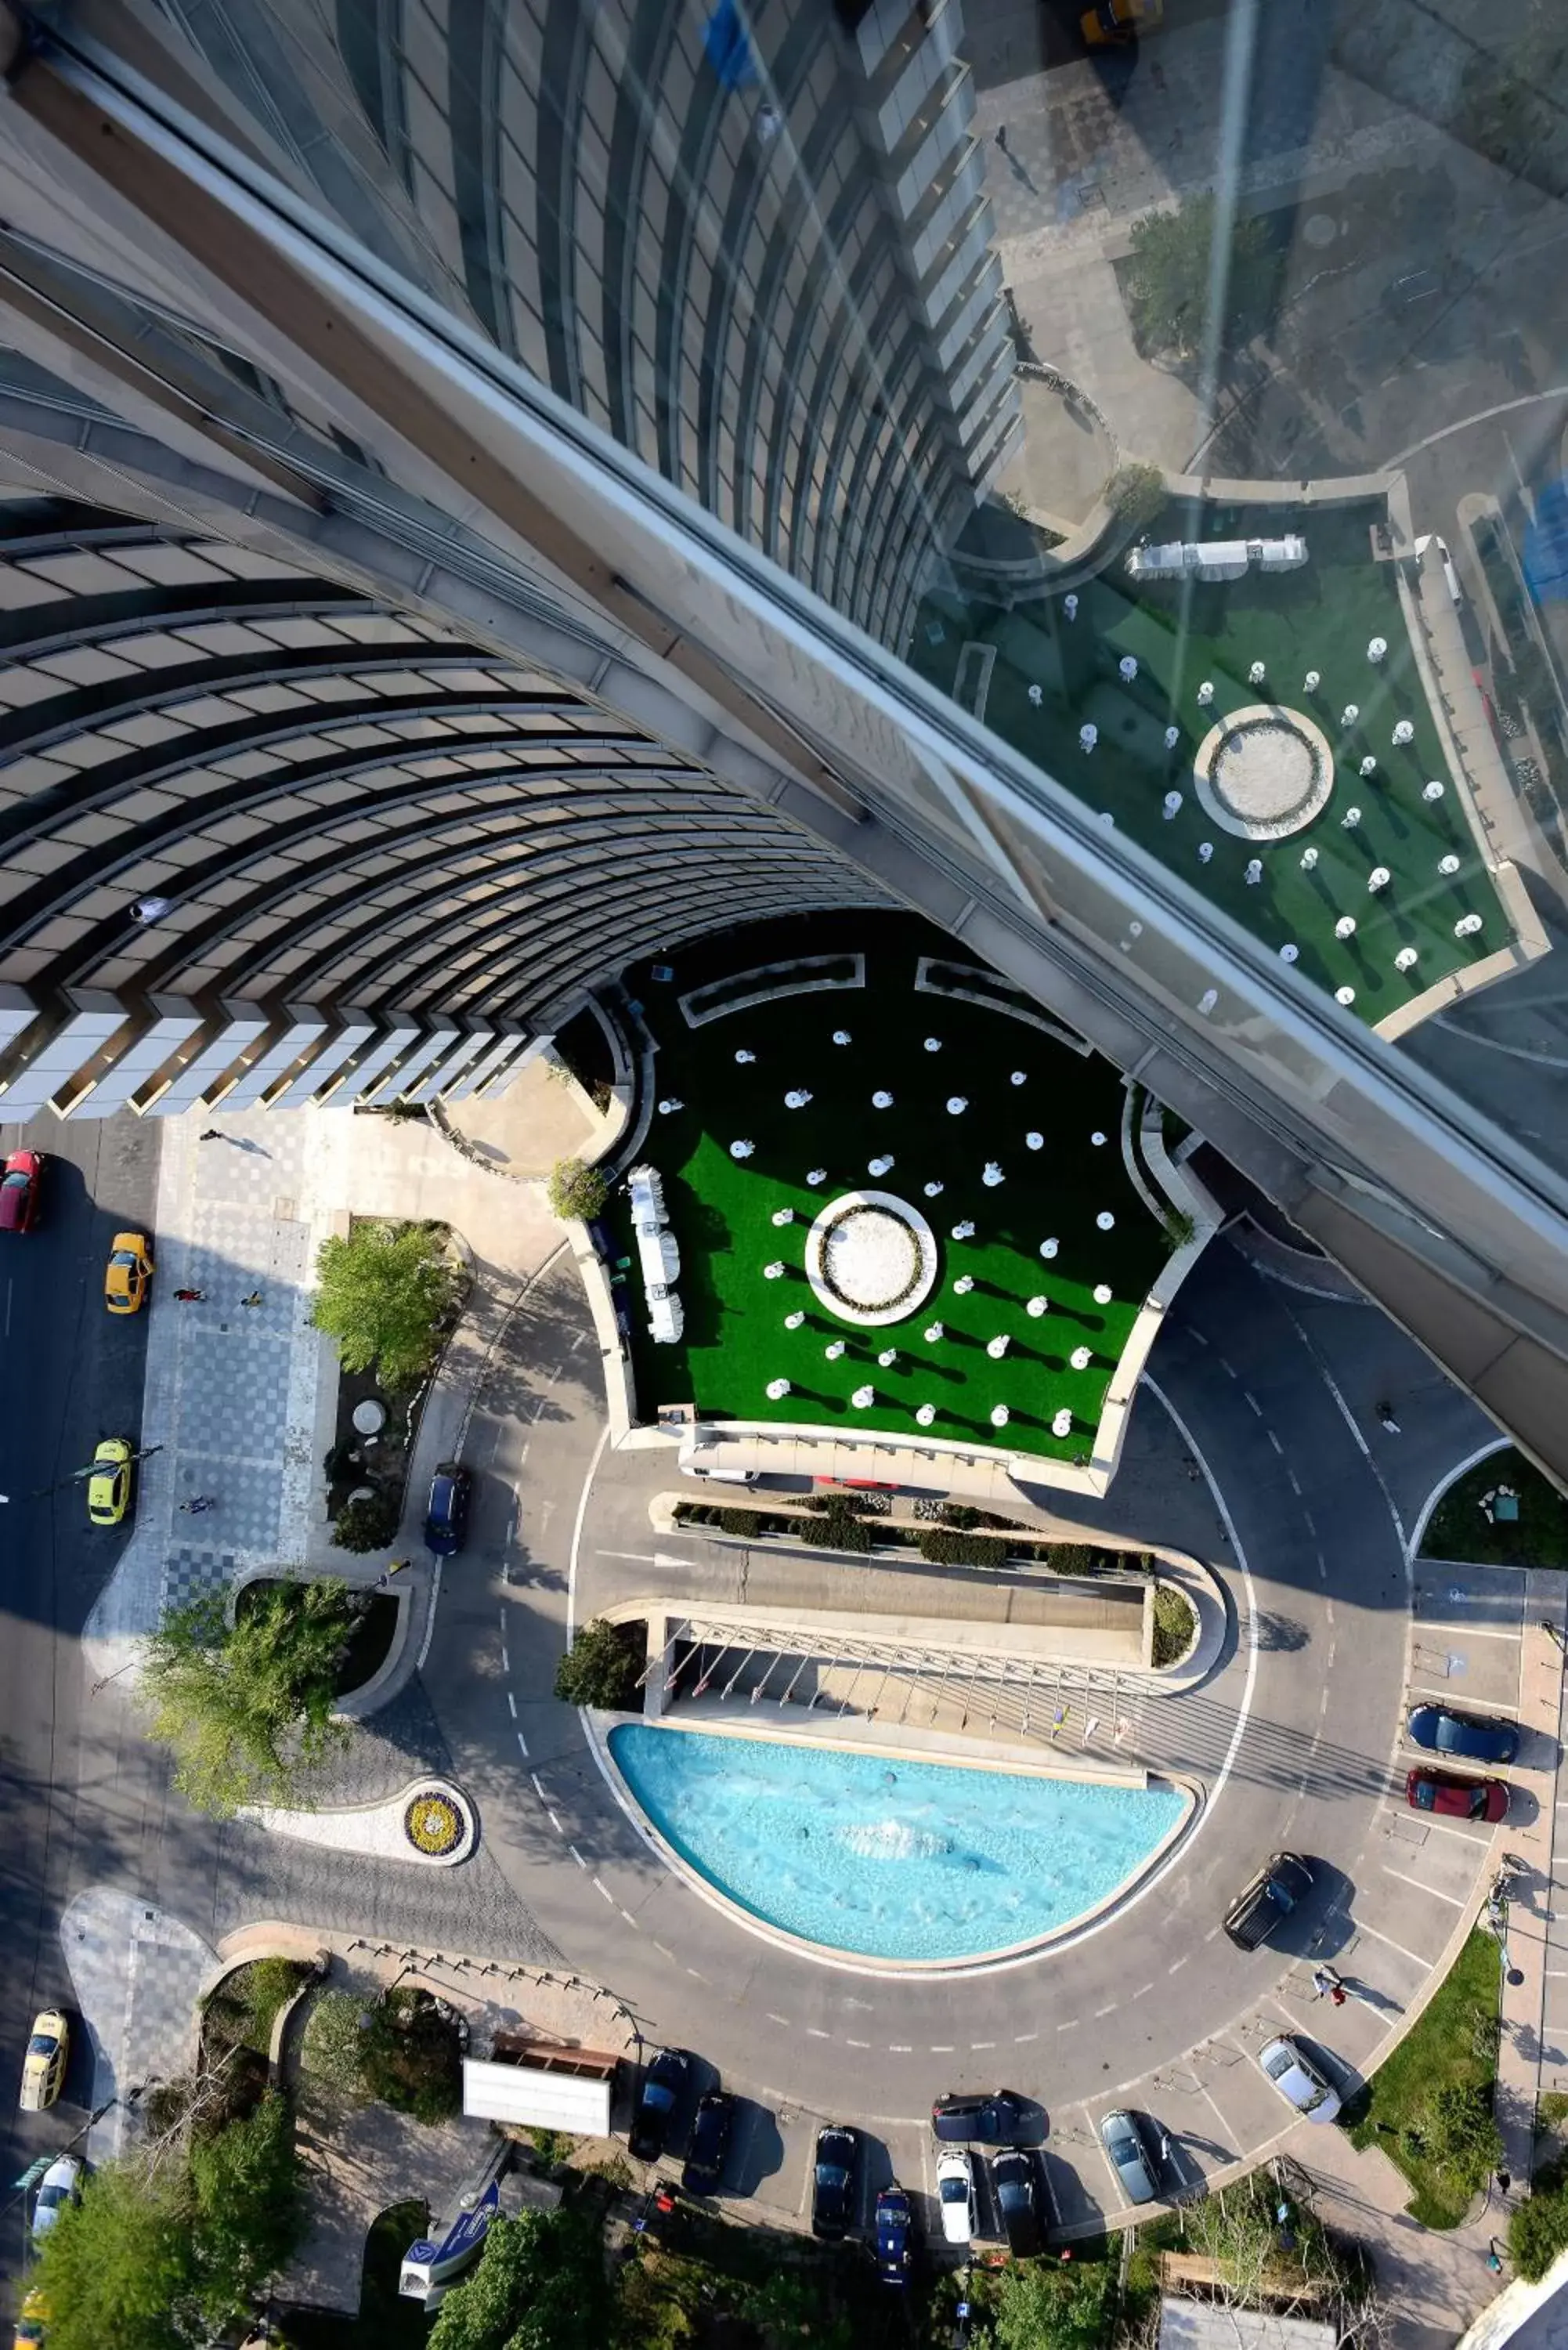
1128,2156
1299,2080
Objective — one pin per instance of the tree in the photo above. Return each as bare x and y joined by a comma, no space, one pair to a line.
1061,2308
576,1189
787,2308
410,2055
114,2266
1538,2227
1169,274
249,2212
246,1707
368,1523
1136,493
603,1665
381,1296
540,2285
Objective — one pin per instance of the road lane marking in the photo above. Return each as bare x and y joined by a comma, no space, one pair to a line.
512,1705
1019,2038
505,1659
630,1918
522,1746
977,2044
771,2017
1178,1962
814,2033
1105,2010
1295,1489
1248,1398
1275,1440
900,2047
554,1822
600,1886
1147,1987
637,1557
1071,2024
1445,1697
576,1855
856,2044
943,2047
1218,2117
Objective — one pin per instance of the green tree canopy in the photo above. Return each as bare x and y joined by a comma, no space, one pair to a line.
1171,284
115,2266
1538,2227
249,2212
157,2254
540,2285
381,1296
1041,2307
602,1664
1136,493
246,1707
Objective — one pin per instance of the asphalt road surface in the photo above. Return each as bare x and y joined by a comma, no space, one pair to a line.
73,1374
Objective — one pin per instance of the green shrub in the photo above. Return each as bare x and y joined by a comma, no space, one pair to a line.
603,1665
576,1189
370,1524
1174,1624
944,1549
837,1527
411,2056
960,1514
1136,493
737,1522
1538,2227
331,2048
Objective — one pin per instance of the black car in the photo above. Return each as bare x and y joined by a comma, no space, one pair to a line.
1268,1901
446,1516
1442,1732
992,2118
658,2103
834,2181
710,2143
1017,2203
895,2236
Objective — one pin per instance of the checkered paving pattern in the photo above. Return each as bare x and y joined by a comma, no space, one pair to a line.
234,1395
191,1574
135,1973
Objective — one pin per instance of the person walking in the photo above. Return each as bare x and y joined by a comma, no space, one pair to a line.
198,1503
254,1299
1385,1418
189,1296
1325,1983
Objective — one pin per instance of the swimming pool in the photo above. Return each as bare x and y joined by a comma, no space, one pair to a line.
888,1858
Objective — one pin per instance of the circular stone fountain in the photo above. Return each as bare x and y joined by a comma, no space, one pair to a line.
871,1258
1264,772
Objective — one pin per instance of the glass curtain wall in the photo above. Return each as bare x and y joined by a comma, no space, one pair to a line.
1121,445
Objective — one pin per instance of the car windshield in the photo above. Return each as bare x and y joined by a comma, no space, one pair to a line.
42,2044
17,1180
656,2094
955,2190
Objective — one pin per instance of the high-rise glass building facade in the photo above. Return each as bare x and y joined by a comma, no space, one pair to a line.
492,487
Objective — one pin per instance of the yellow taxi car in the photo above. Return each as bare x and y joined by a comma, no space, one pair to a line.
109,1487
43,2065
129,1271
32,2324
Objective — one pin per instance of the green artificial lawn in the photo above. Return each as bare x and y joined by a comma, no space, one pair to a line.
1454,2041
735,1341
1321,617
1459,1530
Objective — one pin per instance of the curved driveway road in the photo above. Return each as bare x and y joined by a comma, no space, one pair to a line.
1306,1524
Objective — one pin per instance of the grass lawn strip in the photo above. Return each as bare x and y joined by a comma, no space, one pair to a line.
1320,617
1455,2042
735,1341
1458,1529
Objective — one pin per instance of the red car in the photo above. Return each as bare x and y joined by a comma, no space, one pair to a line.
19,1189
1458,1799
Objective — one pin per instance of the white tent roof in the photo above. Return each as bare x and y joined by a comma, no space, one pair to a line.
536,2098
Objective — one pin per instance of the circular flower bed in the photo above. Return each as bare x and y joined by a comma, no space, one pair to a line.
871,1258
1264,772
434,1823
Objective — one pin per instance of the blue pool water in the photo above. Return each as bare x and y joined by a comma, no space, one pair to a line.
890,1860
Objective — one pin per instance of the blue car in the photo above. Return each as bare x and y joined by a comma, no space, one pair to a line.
446,1517
1442,1732
895,2236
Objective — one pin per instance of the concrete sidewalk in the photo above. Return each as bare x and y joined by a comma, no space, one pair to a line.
240,1399
1433,2281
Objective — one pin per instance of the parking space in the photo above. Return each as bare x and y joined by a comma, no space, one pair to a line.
1465,1637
